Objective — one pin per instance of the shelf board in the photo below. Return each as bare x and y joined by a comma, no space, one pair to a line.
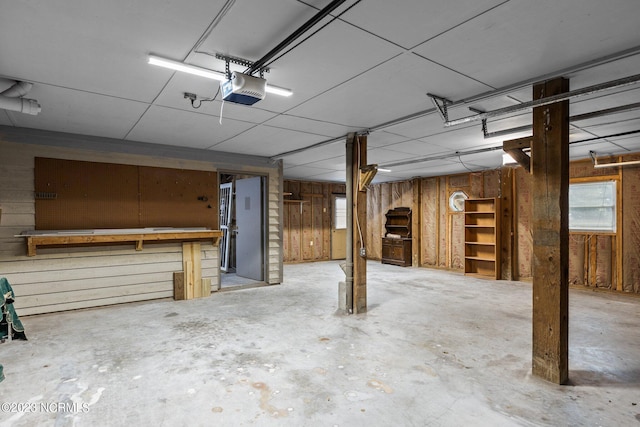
479,226
480,275
480,243
478,258
103,236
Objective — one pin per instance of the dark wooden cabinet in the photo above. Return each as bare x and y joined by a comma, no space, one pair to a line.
396,244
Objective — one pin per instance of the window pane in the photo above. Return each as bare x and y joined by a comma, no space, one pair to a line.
592,206
340,213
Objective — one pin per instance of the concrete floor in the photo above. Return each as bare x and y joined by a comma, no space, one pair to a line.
435,349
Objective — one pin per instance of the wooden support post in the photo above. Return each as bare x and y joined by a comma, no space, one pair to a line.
507,224
550,167
359,227
416,223
192,267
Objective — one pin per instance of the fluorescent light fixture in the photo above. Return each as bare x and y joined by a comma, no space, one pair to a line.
384,170
185,68
278,90
209,74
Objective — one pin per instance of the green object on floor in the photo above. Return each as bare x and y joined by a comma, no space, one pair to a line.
9,314
1,374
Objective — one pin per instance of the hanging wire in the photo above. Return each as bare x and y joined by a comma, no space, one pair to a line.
463,164
201,100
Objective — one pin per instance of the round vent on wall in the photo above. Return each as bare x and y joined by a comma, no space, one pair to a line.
456,201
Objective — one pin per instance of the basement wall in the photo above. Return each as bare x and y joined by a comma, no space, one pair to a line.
307,216
601,260
65,278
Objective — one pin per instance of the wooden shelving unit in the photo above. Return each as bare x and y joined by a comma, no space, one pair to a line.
397,250
482,238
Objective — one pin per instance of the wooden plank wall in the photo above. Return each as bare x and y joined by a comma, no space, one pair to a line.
307,220
380,199
594,259
630,246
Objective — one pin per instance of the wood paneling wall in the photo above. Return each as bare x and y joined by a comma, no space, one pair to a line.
594,259
307,216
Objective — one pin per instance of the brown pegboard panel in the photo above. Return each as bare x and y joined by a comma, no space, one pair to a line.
78,195
178,198
72,195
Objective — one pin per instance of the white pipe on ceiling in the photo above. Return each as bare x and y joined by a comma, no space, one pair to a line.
21,105
12,99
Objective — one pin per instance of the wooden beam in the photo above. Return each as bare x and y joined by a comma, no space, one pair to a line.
359,227
550,167
416,223
507,223
515,148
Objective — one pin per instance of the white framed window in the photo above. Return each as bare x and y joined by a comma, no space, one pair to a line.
340,213
592,206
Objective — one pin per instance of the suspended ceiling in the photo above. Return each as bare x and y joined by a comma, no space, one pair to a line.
366,67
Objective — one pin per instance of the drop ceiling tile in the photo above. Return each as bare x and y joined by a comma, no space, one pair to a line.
601,148
309,125
605,100
417,128
611,128
520,40
99,46
418,148
330,151
266,141
329,57
184,129
383,138
337,164
430,168
480,161
72,111
302,171
5,120
395,89
608,71
412,22
251,29
381,156
327,176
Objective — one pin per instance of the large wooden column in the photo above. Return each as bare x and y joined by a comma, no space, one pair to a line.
550,168
359,227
